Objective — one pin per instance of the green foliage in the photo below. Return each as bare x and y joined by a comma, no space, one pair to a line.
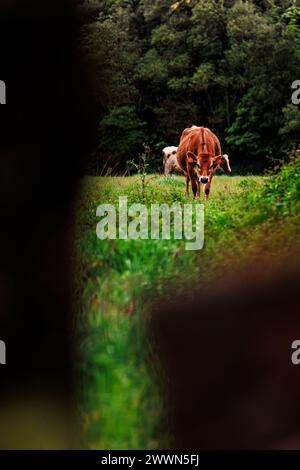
142,167
291,125
281,196
164,65
121,134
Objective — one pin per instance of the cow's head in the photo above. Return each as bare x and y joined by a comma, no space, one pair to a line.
168,152
225,165
205,166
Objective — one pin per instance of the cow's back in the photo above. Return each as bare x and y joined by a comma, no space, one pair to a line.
188,142
198,140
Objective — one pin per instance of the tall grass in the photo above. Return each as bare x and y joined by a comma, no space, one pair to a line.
120,404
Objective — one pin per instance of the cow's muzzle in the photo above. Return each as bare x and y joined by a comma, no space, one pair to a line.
203,179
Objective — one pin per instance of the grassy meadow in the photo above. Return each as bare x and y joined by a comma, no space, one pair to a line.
245,218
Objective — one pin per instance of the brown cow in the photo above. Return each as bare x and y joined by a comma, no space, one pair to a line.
199,155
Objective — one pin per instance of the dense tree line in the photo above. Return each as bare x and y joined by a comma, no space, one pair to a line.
162,65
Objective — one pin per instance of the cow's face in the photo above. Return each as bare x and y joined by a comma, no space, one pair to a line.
205,166
167,153
225,165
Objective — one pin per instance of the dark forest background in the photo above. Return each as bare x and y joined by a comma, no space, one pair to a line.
158,66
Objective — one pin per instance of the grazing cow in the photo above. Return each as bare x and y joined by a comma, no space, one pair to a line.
199,155
170,160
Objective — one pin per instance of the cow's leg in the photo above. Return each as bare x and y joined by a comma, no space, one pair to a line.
198,189
195,185
207,189
187,185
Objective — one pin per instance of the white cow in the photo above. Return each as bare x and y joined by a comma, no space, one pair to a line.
170,160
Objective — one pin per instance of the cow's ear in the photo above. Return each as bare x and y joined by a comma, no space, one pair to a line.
216,161
191,157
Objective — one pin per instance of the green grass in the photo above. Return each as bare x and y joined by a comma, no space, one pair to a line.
244,217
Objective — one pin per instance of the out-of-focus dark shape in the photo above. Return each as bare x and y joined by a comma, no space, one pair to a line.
46,131
226,354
